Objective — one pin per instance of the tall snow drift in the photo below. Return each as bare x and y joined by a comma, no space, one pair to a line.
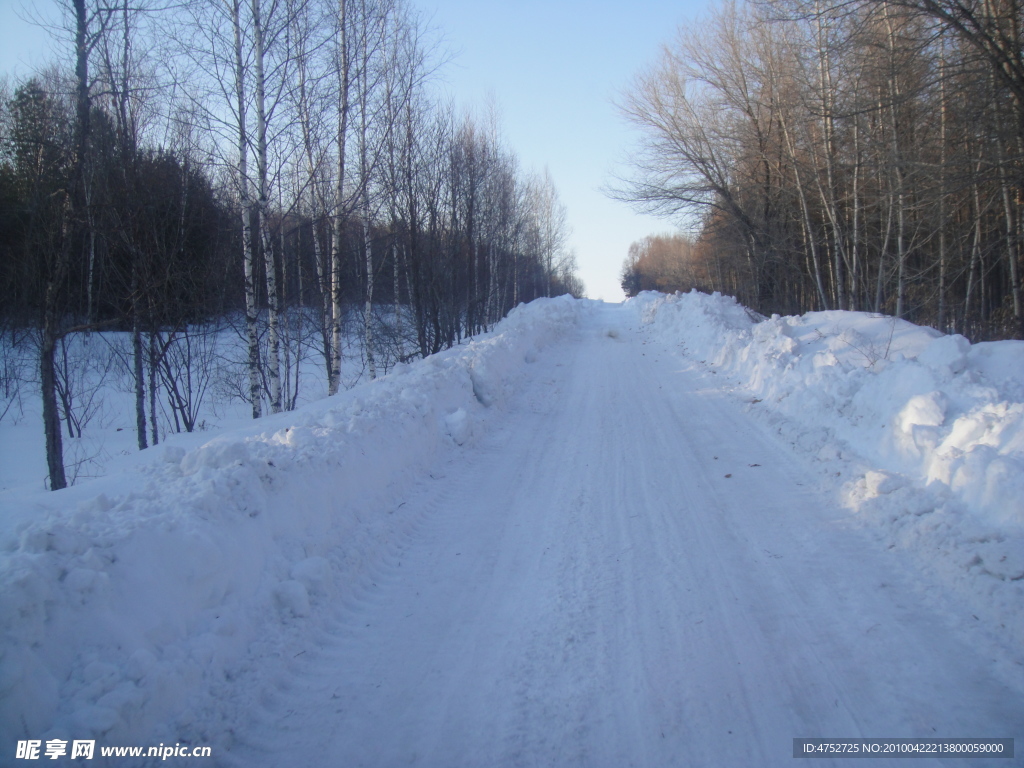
923,432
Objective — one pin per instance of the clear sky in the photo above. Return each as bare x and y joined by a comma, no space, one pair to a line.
553,67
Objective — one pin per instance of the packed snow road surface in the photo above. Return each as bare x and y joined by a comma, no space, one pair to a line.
623,569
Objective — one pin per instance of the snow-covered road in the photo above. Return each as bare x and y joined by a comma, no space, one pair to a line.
624,570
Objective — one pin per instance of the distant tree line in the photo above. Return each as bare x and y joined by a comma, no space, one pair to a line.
266,160
665,263
863,155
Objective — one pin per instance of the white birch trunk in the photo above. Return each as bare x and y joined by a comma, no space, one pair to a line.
339,201
263,206
249,256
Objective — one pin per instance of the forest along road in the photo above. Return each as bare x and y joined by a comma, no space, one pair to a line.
625,571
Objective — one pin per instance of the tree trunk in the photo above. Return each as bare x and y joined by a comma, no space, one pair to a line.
339,197
140,385
262,210
806,225
364,181
154,363
248,246
51,415
941,313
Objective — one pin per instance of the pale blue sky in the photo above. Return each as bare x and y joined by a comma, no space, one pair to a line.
553,67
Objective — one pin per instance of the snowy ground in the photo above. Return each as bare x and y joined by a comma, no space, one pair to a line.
652,534
97,373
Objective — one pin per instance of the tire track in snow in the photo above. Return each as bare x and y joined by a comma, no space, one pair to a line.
347,639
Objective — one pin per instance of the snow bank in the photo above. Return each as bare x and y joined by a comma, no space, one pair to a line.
924,431
124,598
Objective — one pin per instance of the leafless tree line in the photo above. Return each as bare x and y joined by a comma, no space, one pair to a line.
864,155
282,162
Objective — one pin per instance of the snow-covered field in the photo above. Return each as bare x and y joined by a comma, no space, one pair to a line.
661,533
206,365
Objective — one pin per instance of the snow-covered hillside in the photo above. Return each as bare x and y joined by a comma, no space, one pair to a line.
564,542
